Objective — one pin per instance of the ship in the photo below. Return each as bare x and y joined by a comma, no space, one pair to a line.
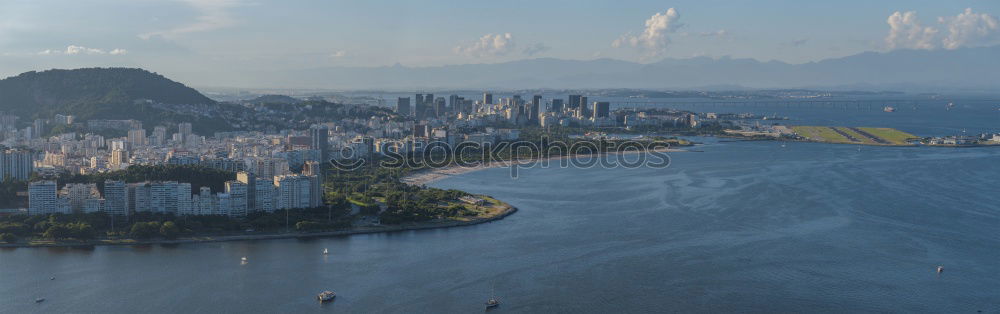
326,296
889,109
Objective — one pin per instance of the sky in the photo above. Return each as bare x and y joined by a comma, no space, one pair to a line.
192,36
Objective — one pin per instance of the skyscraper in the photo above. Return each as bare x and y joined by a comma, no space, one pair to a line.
536,102
602,109
487,99
584,111
251,181
557,105
574,101
454,103
419,106
237,198
319,140
315,173
440,107
403,106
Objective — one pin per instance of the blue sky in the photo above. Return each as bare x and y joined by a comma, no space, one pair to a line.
220,35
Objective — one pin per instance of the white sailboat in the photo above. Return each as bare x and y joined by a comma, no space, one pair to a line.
493,301
325,251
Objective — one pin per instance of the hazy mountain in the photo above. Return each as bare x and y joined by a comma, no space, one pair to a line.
273,99
968,68
92,92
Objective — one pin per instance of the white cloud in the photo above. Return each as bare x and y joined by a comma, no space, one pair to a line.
905,31
654,38
81,50
212,14
489,45
76,50
338,54
535,49
970,29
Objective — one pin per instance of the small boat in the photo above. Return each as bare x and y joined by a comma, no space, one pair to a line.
326,296
492,302
39,300
52,278
325,252
889,109
243,260
940,269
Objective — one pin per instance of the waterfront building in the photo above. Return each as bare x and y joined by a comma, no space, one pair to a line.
78,193
315,173
264,195
41,197
237,198
251,182
292,191
94,205
139,199
116,198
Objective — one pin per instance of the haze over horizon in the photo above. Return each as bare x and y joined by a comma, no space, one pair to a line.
220,42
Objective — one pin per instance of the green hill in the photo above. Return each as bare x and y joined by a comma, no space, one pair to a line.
91,93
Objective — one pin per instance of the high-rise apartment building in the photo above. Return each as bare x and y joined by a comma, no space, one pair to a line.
41,197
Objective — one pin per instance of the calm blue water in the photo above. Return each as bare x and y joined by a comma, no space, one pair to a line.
740,227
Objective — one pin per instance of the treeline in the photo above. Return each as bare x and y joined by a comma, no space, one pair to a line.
422,204
198,176
143,226
8,194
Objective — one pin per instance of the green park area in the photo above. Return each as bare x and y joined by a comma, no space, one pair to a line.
851,135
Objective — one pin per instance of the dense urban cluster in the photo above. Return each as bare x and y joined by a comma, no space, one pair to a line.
277,169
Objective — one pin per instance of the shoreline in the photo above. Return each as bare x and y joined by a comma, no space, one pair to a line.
503,213
425,176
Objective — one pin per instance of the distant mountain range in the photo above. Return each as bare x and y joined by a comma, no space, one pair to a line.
961,69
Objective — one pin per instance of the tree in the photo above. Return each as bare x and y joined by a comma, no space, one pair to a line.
169,230
8,237
57,231
144,230
81,230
